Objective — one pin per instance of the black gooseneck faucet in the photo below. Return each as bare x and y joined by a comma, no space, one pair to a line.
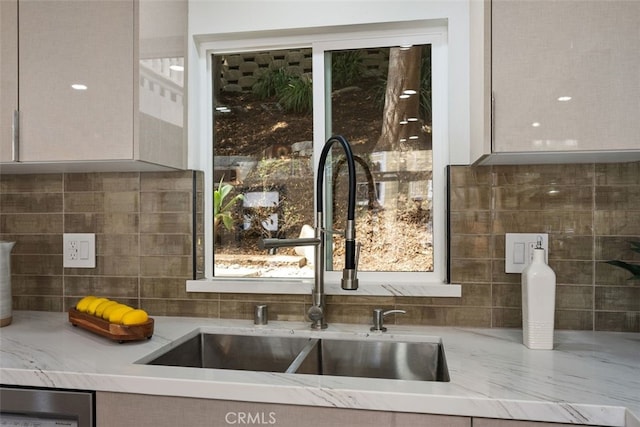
349,280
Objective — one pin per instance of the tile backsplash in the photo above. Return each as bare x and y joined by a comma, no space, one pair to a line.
145,249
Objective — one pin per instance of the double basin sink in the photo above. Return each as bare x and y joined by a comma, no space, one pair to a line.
366,358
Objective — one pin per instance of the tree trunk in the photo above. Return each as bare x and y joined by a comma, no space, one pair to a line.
400,119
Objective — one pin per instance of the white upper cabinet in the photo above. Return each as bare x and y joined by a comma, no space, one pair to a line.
565,81
8,75
88,99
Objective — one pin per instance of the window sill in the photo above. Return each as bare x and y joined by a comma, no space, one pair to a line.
304,287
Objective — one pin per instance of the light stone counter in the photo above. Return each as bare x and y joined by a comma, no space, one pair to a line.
590,377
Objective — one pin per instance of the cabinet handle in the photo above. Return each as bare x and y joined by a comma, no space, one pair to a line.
15,136
493,122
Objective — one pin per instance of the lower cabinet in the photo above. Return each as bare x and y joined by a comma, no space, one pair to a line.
491,422
122,409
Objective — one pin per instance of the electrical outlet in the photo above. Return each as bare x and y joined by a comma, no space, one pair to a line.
519,250
79,250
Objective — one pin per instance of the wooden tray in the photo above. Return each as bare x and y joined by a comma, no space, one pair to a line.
120,333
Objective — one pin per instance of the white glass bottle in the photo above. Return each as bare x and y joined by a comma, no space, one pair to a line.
538,302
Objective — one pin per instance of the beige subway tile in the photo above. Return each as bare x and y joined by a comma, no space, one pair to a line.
185,308
607,274
617,321
83,202
617,223
572,272
563,246
167,181
32,223
560,174
464,176
573,319
618,173
471,246
425,315
101,223
166,266
120,287
382,301
117,244
38,303
616,247
347,313
165,223
476,222
470,271
31,183
574,198
617,298
31,202
109,265
36,285
498,274
618,198
560,222
506,295
171,288
277,311
470,198
45,244
36,264
107,181
505,317
569,297
165,244
176,201
265,298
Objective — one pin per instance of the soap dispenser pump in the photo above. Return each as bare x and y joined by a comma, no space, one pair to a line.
538,302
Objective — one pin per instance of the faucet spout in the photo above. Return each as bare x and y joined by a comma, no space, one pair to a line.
349,280
350,271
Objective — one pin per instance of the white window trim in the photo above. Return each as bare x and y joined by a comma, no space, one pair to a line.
371,283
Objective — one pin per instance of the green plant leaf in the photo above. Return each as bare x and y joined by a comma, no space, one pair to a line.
632,268
217,201
228,222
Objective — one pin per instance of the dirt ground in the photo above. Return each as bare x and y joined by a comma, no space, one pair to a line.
260,128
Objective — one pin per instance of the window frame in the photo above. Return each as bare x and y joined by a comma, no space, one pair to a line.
432,32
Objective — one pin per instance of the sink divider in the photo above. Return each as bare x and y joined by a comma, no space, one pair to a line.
302,356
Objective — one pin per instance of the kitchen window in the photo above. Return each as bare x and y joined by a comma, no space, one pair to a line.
386,92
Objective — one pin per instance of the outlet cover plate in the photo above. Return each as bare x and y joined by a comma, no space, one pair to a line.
518,250
79,250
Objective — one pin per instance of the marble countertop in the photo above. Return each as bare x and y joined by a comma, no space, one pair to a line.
589,378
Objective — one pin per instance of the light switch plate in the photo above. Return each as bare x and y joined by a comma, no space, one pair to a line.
519,247
79,250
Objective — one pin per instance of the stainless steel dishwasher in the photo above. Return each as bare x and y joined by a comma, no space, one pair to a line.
46,407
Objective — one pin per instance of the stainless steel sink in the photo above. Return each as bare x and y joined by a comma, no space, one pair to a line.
241,352
419,361
367,358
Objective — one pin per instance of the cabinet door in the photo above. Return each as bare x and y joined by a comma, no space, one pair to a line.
566,75
8,75
63,43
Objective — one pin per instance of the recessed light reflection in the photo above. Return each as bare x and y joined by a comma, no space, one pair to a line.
176,67
412,119
403,122
413,137
535,124
79,86
564,98
404,96
409,92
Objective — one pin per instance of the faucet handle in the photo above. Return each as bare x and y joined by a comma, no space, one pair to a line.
378,318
